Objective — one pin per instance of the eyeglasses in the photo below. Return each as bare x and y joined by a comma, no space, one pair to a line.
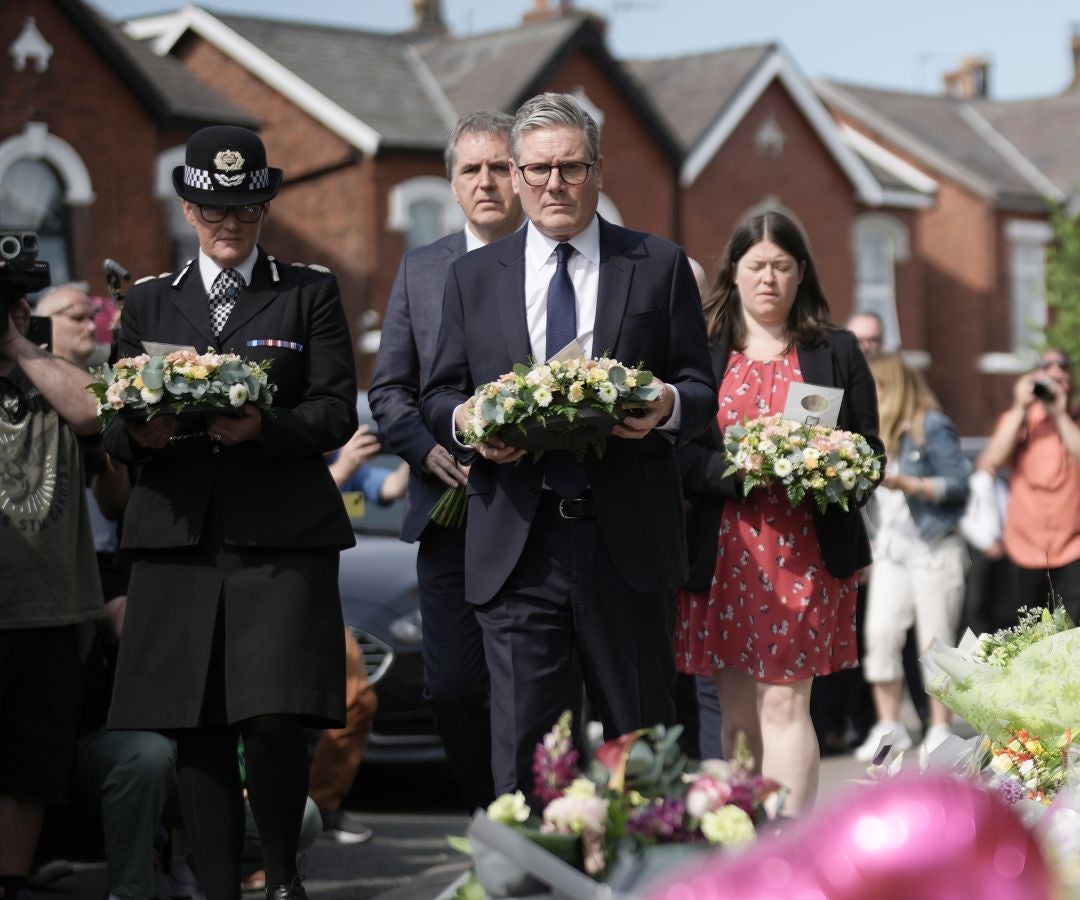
246,214
1062,362
537,174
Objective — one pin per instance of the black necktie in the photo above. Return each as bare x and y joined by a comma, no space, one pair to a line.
222,298
564,474
561,303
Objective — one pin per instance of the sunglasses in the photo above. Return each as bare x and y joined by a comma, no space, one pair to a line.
1060,361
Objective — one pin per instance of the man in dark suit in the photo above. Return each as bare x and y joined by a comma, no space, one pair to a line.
572,566
478,166
233,623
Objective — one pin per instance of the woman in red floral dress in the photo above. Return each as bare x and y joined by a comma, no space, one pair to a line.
771,600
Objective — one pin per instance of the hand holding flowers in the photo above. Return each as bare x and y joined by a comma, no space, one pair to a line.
828,465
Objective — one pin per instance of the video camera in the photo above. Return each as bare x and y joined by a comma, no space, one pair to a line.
24,273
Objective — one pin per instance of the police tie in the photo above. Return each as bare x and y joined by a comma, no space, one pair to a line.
564,474
222,298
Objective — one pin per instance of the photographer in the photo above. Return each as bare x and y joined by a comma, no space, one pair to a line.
49,573
1039,440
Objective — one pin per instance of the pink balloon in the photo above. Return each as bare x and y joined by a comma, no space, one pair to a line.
928,837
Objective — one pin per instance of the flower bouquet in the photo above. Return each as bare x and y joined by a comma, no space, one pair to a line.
1020,687
640,792
563,404
145,386
828,465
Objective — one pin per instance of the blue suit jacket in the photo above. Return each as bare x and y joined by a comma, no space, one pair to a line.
648,311
406,350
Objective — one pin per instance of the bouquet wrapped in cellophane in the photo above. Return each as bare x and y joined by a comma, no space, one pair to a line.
1020,687
144,386
826,465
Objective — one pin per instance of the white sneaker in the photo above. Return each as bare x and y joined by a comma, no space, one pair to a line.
935,736
892,733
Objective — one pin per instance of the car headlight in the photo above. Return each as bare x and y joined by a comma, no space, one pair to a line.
407,628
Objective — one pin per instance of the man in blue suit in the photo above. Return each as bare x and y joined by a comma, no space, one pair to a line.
478,166
572,567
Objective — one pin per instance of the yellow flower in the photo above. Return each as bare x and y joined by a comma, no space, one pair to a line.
728,826
138,382
810,463
576,392
509,808
198,372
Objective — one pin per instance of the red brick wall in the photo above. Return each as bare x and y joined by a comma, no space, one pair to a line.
804,178
83,101
637,176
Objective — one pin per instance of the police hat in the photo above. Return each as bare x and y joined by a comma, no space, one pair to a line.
225,165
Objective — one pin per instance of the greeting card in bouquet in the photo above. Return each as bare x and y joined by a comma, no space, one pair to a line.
813,404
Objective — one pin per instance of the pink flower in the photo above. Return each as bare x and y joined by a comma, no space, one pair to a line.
706,794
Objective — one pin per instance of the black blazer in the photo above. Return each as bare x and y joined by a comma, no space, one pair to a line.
274,492
835,361
648,311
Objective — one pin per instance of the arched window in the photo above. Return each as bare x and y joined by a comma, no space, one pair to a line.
41,176
880,243
185,243
32,199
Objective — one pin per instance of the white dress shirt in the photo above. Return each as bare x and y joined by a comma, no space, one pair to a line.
209,270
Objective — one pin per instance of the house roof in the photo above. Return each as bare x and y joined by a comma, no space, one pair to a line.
377,78
496,70
948,135
707,95
1046,131
173,95
692,91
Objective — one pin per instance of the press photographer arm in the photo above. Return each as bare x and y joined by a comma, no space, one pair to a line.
61,383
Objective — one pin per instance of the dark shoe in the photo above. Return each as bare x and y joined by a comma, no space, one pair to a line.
294,890
339,827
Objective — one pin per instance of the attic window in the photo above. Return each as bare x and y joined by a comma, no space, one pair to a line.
30,46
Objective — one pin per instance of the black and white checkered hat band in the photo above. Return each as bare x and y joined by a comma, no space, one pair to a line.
197,178
200,179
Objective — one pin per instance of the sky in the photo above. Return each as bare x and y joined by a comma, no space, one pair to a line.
904,44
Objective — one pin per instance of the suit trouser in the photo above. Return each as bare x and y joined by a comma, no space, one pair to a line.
565,613
339,751
127,775
455,671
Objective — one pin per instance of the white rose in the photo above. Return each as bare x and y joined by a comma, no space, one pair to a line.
848,479
606,392
151,396
542,396
238,394
782,467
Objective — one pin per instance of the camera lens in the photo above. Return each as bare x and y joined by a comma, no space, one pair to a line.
10,246
1043,391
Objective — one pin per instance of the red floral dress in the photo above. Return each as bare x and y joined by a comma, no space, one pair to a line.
773,610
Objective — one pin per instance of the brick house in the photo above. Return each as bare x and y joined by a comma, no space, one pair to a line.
930,210
86,114
358,121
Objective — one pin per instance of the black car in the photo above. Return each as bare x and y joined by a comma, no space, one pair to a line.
380,598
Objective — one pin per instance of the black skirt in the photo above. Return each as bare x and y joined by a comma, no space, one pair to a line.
217,634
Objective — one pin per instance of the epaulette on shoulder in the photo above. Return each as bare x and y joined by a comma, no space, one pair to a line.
146,278
315,267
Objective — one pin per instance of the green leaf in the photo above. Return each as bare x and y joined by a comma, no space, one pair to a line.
459,843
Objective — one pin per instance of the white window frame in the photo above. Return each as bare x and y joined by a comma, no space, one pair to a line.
880,298
35,142
423,188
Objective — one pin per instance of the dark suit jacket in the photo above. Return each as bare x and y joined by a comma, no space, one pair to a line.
406,350
648,311
274,492
837,362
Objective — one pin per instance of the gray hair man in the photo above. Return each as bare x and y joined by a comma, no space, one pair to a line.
478,167
570,565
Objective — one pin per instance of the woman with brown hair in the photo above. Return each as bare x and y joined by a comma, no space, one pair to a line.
919,557
771,600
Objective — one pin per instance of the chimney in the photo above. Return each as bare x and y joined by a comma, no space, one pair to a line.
428,17
1076,55
542,11
971,81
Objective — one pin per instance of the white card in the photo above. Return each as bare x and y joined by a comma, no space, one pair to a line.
813,404
573,350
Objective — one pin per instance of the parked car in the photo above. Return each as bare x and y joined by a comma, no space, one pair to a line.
380,598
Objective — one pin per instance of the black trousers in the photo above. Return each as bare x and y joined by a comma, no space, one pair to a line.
1033,587
455,671
563,616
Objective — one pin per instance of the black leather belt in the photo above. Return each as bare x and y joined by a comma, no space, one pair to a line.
567,508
